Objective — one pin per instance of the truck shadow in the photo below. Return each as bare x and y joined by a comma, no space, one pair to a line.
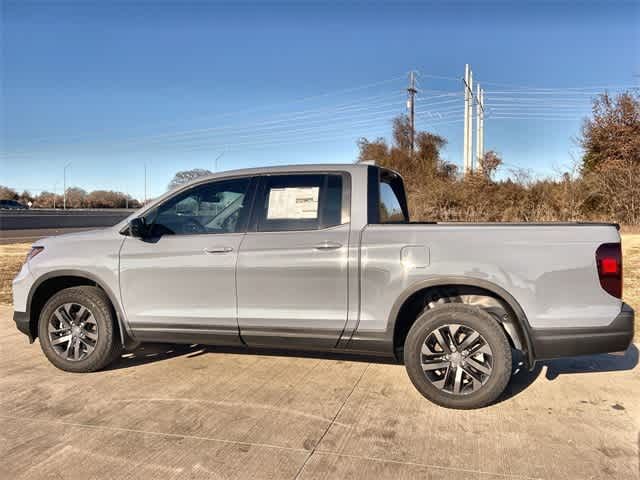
154,352
521,379
606,362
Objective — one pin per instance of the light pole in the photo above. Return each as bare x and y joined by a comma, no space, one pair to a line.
215,162
64,179
55,188
145,183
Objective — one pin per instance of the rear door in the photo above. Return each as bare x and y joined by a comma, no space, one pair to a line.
293,262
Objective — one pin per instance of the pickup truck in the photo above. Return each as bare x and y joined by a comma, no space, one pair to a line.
324,258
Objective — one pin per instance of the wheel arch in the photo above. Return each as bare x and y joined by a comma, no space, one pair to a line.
52,282
415,298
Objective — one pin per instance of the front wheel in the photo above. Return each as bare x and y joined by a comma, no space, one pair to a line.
76,330
458,356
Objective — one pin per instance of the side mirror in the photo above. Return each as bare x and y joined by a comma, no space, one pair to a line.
137,228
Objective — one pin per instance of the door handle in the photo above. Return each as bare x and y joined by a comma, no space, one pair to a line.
326,245
218,250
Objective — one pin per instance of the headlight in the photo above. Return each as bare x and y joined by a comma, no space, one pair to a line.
33,252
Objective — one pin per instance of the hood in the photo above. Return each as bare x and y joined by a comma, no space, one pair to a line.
97,234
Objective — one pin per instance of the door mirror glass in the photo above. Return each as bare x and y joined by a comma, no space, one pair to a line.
137,227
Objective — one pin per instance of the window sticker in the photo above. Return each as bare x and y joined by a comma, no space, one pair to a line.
293,203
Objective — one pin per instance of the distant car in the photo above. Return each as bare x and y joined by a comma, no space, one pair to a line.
12,205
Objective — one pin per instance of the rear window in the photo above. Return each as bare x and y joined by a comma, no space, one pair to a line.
390,207
386,200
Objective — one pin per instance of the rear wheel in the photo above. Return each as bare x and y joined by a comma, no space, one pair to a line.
457,356
76,330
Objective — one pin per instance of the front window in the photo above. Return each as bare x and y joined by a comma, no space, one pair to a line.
217,207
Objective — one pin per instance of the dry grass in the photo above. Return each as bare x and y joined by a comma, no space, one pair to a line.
631,261
11,258
13,255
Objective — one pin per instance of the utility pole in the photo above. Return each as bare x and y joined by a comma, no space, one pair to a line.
465,147
215,162
145,183
470,131
64,181
479,127
411,107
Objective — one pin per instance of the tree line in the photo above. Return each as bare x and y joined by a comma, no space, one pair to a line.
604,185
76,198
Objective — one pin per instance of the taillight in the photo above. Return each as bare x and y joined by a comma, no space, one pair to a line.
609,262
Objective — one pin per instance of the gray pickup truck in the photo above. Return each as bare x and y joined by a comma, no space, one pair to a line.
324,258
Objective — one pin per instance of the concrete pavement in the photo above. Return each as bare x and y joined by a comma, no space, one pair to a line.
191,412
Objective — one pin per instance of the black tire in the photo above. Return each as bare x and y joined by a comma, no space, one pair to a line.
469,317
106,348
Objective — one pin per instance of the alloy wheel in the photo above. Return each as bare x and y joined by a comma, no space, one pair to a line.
73,331
456,359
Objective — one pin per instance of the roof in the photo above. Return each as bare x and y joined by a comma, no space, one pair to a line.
316,167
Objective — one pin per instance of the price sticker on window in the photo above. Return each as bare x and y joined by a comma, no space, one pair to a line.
293,203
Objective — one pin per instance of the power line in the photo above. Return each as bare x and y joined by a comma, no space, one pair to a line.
339,126
283,124
291,102
298,139
531,117
251,110
381,115
576,94
292,117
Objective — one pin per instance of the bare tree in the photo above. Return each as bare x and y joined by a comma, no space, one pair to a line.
376,150
7,193
185,176
490,162
613,132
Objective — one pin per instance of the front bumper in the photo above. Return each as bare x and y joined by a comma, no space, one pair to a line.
569,342
22,323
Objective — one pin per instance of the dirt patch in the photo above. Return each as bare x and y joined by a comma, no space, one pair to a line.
11,259
631,262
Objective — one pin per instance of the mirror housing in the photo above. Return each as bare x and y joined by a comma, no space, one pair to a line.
137,227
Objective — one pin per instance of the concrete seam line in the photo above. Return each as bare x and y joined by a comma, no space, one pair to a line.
427,465
148,432
313,450
220,403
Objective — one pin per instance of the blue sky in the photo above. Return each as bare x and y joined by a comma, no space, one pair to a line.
110,86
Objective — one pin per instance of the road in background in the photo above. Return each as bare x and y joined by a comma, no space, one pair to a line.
49,218
24,226
33,234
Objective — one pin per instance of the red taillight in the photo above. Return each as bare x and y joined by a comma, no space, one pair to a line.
609,262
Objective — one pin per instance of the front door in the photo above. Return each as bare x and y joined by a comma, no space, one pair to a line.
179,282
293,265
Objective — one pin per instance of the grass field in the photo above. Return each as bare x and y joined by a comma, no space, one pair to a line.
12,256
